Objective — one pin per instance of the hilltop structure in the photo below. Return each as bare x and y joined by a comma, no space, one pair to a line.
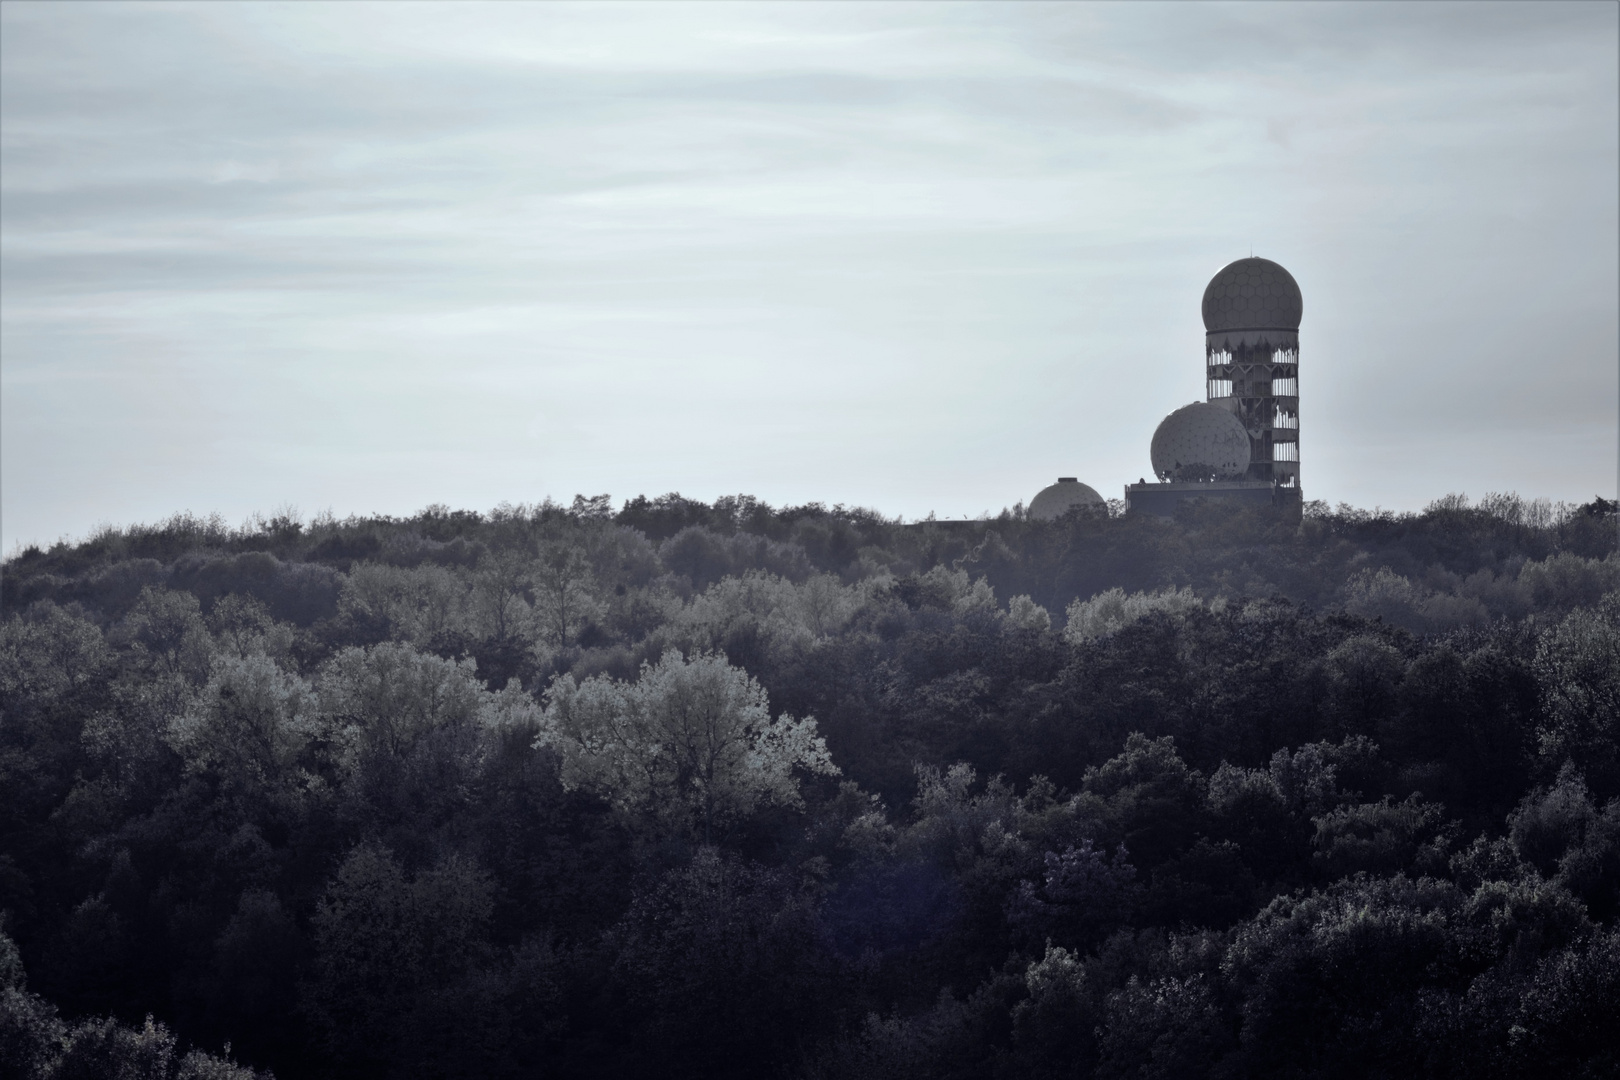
1055,500
1252,311
1200,443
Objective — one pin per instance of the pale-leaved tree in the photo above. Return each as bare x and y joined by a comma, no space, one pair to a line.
420,604
787,615
385,698
500,608
166,627
242,626
564,590
690,745
249,724
1023,613
1578,666
1111,611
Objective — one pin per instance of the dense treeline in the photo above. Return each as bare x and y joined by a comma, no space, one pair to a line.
728,790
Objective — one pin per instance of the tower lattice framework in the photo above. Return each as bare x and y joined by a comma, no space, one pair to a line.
1252,311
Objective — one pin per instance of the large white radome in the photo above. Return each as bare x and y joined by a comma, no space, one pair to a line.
1200,441
1058,499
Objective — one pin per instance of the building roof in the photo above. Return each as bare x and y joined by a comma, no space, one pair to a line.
1055,500
1200,441
1252,294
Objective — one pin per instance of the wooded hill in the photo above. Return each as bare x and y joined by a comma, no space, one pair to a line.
726,790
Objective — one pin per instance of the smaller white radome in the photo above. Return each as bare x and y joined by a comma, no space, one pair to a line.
1200,442
1058,499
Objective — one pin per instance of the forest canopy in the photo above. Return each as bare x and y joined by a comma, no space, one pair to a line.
714,790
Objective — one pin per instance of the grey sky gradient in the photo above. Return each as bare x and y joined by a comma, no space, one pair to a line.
914,256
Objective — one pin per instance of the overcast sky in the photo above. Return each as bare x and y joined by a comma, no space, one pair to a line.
919,257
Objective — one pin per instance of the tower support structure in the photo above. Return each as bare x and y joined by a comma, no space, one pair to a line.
1252,310
1259,383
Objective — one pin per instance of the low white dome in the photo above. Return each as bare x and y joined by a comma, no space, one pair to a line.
1201,441
1058,499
